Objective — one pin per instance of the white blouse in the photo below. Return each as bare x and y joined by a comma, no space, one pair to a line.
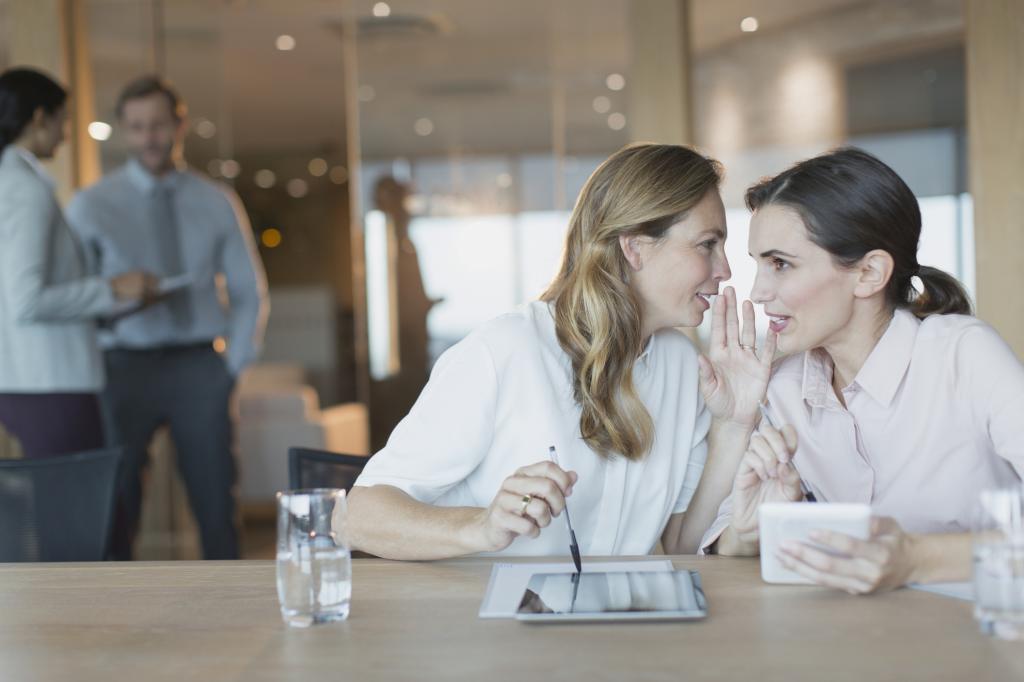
500,397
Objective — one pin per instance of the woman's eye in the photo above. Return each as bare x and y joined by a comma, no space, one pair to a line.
709,244
779,264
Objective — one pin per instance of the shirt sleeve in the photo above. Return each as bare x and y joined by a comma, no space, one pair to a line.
25,262
992,378
246,281
698,455
721,522
449,430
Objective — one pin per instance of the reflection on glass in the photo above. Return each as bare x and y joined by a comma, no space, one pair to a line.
592,593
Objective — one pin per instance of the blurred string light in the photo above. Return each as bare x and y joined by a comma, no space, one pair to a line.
271,237
297,188
381,9
602,104
749,24
616,121
317,167
339,175
100,131
615,81
265,178
423,126
285,42
205,128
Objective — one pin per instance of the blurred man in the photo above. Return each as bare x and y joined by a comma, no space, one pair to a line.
162,366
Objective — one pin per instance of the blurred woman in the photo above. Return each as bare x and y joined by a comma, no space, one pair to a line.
597,369
899,398
50,366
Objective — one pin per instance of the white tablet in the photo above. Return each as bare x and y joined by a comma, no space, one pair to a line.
641,595
795,521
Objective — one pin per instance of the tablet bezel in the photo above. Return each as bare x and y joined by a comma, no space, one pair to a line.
608,616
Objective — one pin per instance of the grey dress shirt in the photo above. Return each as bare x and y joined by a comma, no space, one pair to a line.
228,294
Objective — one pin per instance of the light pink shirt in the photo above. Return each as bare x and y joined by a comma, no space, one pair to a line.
935,415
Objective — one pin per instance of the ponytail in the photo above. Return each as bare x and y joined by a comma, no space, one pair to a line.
942,295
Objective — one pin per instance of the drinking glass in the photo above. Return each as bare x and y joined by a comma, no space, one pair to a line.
314,565
999,563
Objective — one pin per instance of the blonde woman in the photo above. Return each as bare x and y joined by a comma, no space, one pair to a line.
595,368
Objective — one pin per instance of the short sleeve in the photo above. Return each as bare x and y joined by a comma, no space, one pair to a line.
449,430
992,379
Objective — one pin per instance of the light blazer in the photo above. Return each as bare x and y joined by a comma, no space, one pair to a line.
48,303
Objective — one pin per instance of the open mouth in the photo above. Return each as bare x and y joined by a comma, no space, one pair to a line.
778,323
705,298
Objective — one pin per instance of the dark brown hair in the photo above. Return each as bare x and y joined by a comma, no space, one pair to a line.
852,203
22,92
151,85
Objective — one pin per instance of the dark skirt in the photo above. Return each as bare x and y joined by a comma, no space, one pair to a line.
48,424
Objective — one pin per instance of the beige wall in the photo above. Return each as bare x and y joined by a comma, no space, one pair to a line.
62,53
995,111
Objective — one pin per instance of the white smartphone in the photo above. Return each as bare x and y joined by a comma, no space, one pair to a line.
780,521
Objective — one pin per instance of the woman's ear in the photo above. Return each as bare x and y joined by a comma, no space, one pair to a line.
630,245
38,119
873,273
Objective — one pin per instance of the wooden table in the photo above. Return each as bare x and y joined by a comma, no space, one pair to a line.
418,621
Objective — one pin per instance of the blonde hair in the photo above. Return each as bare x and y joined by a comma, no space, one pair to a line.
642,189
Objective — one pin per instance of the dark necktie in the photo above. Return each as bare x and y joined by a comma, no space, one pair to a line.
168,242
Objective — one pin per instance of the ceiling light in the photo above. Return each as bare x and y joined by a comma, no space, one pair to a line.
230,169
205,128
339,175
616,121
265,178
317,167
423,127
285,43
381,9
602,104
749,25
615,81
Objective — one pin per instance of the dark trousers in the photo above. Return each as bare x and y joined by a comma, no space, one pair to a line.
188,388
48,424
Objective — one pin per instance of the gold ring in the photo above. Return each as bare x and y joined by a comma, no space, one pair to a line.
526,503
746,347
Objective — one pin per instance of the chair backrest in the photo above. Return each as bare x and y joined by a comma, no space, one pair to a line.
309,468
57,508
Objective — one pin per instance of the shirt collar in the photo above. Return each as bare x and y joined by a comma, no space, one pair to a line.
645,354
146,181
33,162
817,381
882,372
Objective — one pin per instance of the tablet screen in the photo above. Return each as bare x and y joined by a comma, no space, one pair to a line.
648,595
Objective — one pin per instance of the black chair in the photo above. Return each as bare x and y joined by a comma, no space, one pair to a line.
57,508
309,468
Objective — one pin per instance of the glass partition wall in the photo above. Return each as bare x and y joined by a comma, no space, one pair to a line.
485,119
409,166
